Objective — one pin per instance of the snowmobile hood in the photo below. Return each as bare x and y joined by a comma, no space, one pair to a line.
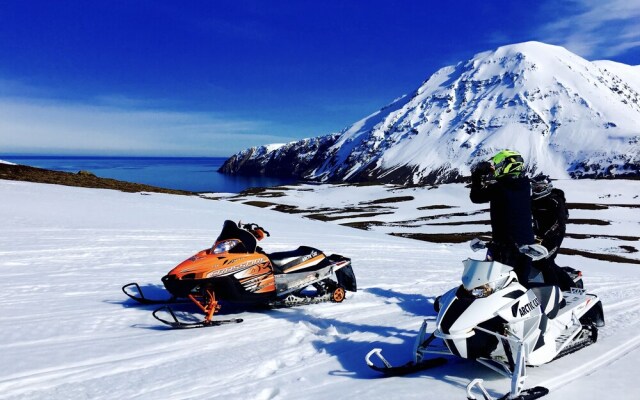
203,264
460,314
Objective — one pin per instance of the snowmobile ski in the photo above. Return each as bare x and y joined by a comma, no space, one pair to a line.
177,324
143,300
406,369
527,394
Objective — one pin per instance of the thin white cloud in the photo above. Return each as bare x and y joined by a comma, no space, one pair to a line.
46,126
593,28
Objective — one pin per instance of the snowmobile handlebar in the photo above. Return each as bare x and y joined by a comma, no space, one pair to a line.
256,230
535,251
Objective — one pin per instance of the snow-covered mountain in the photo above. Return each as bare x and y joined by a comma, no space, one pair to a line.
290,159
566,115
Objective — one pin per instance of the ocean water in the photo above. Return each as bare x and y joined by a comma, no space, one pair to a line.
197,174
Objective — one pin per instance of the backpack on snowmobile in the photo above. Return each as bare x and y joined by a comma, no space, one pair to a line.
548,208
550,217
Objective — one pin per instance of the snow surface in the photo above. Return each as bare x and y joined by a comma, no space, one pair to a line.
68,332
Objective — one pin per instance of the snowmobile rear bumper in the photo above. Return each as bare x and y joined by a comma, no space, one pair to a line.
345,275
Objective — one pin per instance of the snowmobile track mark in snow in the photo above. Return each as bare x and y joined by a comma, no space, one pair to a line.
593,365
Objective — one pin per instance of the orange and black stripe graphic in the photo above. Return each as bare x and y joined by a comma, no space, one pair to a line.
306,264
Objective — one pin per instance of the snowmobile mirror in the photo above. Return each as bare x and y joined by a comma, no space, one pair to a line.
477,244
534,251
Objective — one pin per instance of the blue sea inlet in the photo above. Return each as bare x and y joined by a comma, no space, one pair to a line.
196,174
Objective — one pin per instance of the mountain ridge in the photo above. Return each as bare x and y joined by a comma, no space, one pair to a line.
569,117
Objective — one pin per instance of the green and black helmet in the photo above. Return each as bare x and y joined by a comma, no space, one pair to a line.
507,163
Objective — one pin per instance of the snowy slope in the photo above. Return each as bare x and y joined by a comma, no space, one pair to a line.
566,115
629,74
69,333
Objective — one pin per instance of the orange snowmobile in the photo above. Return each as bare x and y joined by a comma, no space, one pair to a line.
235,269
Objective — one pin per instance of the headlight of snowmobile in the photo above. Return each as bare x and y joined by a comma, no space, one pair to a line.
223,247
488,288
482,291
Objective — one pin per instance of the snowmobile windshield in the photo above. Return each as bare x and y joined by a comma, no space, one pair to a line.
231,231
479,274
224,246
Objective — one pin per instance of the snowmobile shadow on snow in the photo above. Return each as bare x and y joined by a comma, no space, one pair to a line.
349,352
411,303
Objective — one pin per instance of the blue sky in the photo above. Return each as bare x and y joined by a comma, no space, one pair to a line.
208,78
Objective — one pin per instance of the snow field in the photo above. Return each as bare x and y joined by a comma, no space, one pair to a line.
70,333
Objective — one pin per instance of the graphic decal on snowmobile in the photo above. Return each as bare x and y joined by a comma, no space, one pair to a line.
527,308
493,319
229,270
235,269
257,279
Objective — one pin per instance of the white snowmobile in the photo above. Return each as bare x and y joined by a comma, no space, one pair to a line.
493,319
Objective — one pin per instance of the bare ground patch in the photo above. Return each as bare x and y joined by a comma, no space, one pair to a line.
285,208
435,207
270,194
459,223
615,237
588,221
289,209
81,179
261,204
328,217
364,225
592,206
586,206
388,200
442,216
599,256
444,237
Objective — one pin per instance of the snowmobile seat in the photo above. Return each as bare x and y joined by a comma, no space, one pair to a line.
551,300
283,260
